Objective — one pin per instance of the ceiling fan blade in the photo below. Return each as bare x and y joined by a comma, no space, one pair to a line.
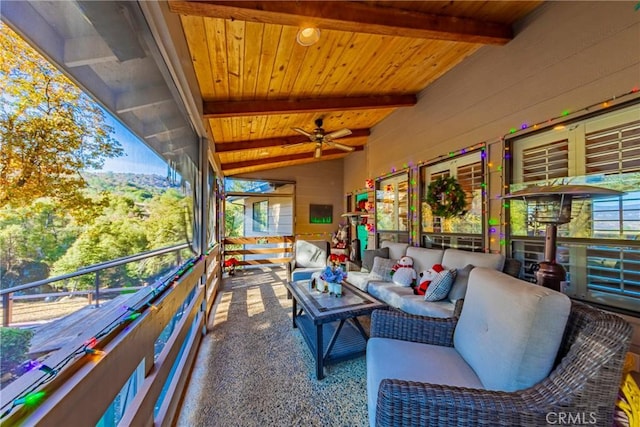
340,146
293,145
311,136
337,134
318,151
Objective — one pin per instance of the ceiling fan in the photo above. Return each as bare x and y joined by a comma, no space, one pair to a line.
320,137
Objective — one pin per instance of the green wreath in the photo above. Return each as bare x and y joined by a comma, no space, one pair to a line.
446,197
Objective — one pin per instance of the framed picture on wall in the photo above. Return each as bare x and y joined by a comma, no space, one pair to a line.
320,214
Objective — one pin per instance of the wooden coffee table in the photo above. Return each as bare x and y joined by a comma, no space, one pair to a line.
321,314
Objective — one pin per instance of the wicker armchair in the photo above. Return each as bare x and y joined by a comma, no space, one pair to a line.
581,388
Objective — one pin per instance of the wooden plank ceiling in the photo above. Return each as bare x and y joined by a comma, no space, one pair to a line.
373,57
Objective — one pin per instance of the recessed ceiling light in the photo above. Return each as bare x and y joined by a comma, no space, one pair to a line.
308,36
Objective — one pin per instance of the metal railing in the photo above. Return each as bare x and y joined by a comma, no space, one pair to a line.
8,297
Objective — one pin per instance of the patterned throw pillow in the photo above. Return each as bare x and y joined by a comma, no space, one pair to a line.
369,257
381,269
440,286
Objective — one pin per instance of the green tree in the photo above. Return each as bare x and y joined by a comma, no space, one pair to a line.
166,225
31,239
14,344
233,219
49,130
118,232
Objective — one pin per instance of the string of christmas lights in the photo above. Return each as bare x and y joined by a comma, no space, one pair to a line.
493,224
32,395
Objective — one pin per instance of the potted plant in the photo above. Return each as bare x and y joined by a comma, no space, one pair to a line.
230,264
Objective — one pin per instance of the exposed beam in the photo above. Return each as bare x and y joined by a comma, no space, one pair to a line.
165,126
280,159
350,16
278,142
88,50
138,99
122,40
261,107
270,166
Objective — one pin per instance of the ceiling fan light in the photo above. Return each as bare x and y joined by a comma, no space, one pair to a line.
308,36
318,152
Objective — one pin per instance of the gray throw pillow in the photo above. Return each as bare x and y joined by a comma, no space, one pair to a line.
459,288
381,269
370,254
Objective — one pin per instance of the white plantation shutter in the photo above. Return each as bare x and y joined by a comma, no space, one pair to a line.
470,179
546,162
613,150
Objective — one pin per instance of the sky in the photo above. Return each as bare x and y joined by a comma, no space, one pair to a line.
138,157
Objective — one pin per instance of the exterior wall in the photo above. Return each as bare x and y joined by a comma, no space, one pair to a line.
280,216
565,56
316,183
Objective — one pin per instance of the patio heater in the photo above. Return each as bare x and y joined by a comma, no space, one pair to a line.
355,218
552,207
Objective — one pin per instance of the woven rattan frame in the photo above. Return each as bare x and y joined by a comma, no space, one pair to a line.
583,385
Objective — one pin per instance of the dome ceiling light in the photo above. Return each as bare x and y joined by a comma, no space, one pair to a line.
308,36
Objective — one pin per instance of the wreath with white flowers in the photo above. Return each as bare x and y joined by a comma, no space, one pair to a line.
446,197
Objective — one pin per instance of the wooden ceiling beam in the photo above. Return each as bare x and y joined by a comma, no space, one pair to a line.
280,159
357,17
228,147
222,109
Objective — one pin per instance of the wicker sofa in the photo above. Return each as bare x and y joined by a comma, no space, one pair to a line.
404,299
508,360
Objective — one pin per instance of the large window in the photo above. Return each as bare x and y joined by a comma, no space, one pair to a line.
463,232
96,209
392,209
600,247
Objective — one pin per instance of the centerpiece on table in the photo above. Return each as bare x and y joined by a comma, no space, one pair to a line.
331,279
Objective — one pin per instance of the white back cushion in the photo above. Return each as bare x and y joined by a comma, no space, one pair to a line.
423,258
396,250
455,258
510,330
311,253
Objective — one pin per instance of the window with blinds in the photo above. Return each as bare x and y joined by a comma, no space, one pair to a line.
613,150
546,162
604,151
463,232
470,178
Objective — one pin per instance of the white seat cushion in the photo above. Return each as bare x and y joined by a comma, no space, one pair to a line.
510,330
304,273
359,279
405,360
403,298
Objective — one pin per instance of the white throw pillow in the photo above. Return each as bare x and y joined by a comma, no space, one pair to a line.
381,269
440,286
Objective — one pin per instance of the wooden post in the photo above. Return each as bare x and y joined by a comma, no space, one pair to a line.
97,282
7,305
